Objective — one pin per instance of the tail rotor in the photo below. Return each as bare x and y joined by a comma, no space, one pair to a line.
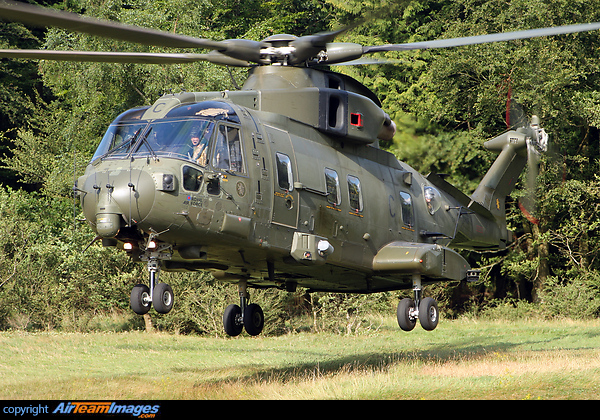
537,144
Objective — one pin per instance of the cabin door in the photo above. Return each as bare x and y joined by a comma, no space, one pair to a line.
285,196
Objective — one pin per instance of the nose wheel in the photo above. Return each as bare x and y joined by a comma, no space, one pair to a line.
245,315
162,298
159,295
425,310
141,300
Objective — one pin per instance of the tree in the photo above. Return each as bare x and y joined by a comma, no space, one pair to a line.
45,281
446,103
465,89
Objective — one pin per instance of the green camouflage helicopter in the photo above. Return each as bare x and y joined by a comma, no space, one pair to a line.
282,183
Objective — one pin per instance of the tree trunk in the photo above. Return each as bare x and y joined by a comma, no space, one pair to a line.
543,254
148,323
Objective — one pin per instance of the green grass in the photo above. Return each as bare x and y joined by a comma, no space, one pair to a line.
459,360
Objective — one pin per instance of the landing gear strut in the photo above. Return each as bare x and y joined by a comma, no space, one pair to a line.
245,315
158,294
425,310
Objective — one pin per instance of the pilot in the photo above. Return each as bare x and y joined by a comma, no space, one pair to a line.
199,149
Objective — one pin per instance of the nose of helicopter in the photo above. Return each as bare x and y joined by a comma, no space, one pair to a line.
116,199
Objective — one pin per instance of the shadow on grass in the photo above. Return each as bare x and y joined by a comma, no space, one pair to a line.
369,361
471,349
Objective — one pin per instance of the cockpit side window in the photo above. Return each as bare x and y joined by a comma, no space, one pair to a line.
228,149
192,178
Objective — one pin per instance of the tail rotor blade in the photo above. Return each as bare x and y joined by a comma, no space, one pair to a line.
516,115
537,144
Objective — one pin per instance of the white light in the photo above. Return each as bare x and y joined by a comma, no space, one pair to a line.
127,246
324,248
152,245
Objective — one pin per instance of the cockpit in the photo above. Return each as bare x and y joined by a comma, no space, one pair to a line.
205,133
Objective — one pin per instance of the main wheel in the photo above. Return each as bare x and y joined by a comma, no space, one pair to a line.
406,321
232,320
429,315
162,298
140,299
254,319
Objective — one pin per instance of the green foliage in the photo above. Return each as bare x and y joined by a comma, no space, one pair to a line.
347,314
511,310
575,298
45,279
201,301
460,154
446,103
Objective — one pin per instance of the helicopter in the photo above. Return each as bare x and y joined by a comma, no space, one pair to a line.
282,183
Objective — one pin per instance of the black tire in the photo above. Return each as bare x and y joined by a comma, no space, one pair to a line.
429,315
231,318
405,321
163,298
139,300
254,319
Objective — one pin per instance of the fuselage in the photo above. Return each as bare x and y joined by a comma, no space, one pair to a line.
245,192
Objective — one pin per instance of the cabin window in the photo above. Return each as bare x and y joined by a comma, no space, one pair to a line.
332,181
284,172
192,178
406,207
228,149
355,194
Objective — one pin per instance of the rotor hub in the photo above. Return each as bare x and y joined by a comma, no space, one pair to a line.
278,49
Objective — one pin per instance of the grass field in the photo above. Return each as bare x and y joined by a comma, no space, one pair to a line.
459,360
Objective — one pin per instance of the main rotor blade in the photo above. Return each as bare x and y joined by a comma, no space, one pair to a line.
366,61
481,39
43,17
321,39
122,57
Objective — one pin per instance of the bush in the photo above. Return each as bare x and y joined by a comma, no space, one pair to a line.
46,280
348,314
575,299
200,301
510,310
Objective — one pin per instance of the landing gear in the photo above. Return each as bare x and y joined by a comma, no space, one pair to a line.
160,295
140,299
232,320
244,315
406,314
425,310
254,319
428,314
162,298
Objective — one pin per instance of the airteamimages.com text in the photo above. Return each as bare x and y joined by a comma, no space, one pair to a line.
83,407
